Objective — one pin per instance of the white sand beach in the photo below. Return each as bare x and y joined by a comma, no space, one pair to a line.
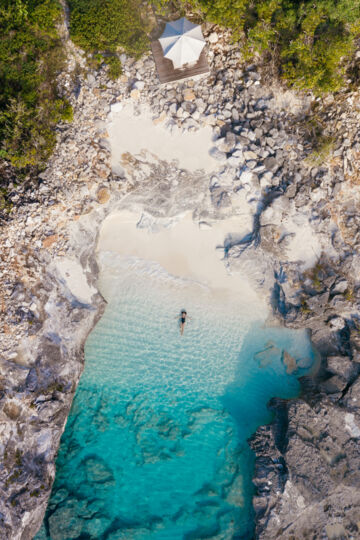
142,133
183,249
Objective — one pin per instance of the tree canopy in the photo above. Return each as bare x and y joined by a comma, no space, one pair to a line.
31,55
308,41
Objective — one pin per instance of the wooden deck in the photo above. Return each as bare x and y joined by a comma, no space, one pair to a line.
165,68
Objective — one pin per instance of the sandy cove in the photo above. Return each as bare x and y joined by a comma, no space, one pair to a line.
51,238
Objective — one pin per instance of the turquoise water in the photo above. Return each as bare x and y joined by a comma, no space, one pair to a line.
155,445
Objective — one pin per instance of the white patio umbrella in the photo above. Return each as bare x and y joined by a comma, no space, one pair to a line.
182,42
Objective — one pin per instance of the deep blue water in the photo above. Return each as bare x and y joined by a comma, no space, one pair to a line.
155,445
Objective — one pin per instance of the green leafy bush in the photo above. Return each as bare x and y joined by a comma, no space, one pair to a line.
101,26
307,41
115,68
30,57
321,37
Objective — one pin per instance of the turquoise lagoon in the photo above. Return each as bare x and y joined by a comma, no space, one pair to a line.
155,446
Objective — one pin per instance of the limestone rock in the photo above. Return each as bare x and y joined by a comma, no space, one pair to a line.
317,449
135,94
138,85
50,240
103,195
352,399
189,95
337,323
213,37
217,154
343,366
340,287
334,385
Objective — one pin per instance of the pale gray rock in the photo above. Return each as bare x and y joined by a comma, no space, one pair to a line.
318,303
213,37
91,80
217,154
352,397
291,191
220,198
334,385
138,85
316,448
340,286
337,323
251,164
343,366
234,161
235,116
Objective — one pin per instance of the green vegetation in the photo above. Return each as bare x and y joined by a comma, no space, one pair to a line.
324,145
5,204
115,68
304,308
31,55
317,274
101,26
18,458
305,41
350,295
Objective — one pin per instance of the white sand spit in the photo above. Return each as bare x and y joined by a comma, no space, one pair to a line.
183,249
136,133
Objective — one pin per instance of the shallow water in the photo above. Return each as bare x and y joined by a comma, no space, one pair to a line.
155,445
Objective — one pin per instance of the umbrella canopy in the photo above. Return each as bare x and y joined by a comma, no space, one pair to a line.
182,42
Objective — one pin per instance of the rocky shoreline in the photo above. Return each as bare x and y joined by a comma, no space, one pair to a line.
307,461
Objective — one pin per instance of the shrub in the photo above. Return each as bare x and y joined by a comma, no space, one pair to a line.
323,147
115,68
307,41
101,26
312,55
30,57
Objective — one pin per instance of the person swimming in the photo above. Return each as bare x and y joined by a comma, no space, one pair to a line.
182,320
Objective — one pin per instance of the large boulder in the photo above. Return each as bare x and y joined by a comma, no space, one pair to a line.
343,366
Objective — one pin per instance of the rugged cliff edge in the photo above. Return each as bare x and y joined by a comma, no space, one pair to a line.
307,468
307,461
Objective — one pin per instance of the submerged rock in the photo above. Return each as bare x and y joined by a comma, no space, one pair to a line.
97,471
64,523
289,362
268,356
